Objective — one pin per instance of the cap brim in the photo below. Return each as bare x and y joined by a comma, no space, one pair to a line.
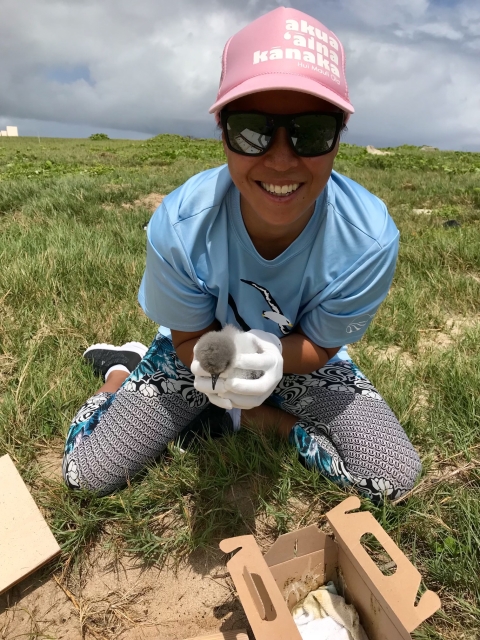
282,81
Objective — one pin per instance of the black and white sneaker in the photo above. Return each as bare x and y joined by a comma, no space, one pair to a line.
103,356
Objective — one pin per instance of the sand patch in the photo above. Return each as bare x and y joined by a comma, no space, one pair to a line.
37,608
474,276
8,365
49,461
455,327
450,470
122,599
391,354
378,152
23,221
151,202
422,400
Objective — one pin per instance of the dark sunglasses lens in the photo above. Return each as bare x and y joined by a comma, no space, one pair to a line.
314,134
248,133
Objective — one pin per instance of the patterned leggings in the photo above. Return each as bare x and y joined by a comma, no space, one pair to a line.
345,429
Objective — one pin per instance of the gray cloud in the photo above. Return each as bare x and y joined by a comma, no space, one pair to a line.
413,70
153,66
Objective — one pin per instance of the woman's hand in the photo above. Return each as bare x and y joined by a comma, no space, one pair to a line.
244,392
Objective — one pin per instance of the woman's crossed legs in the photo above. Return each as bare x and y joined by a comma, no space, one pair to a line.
344,428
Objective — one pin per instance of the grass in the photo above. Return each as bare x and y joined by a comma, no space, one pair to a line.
72,257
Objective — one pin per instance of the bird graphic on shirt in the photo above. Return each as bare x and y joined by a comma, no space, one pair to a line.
275,315
216,351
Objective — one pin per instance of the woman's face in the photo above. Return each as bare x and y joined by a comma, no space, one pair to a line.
280,166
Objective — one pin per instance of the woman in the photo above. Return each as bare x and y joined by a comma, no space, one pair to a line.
275,242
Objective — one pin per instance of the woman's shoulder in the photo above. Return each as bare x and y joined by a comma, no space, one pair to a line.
359,208
187,212
202,192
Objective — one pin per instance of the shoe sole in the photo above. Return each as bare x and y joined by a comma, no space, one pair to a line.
102,356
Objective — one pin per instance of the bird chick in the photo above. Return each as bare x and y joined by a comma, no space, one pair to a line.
216,352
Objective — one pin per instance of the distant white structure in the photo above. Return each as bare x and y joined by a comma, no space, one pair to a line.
11,132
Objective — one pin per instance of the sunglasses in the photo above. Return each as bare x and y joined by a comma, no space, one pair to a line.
251,133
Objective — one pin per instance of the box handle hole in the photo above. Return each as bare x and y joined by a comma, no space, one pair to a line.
377,553
259,595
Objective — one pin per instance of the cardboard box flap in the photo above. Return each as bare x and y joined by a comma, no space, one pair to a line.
396,593
26,542
295,545
258,592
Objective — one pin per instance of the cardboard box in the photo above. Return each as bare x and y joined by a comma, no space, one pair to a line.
385,604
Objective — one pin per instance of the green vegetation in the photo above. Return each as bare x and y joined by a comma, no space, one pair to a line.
411,158
72,250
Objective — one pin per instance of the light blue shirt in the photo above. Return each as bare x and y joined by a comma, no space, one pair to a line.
202,264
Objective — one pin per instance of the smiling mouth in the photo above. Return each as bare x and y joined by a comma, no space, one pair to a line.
277,190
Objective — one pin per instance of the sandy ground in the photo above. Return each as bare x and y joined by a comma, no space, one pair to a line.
119,599
151,201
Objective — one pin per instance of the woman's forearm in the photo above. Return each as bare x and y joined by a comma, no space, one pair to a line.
301,355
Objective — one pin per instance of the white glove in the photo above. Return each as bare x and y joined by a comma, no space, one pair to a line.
247,394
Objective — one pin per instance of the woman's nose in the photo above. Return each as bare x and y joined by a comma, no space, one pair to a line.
281,156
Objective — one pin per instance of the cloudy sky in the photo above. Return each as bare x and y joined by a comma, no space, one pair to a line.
134,69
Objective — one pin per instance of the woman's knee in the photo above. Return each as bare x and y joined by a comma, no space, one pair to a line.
411,468
391,472
83,471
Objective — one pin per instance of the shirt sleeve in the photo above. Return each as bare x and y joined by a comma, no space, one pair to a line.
170,293
347,308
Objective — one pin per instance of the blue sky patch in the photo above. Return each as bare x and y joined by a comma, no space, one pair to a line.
443,3
69,75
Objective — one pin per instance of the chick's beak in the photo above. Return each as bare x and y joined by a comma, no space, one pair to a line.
214,380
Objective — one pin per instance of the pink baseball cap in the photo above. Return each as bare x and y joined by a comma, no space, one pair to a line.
284,49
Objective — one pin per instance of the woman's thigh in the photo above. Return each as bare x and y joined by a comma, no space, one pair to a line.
352,419
113,436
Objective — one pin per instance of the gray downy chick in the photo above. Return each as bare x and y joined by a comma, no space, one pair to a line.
216,351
